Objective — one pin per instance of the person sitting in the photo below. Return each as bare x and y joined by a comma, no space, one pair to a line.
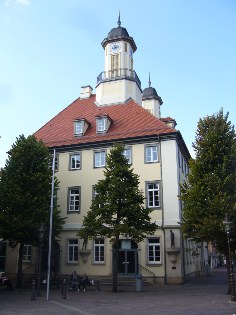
83,281
5,281
74,281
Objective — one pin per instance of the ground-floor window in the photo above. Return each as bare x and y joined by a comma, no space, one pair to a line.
27,253
154,250
73,251
99,250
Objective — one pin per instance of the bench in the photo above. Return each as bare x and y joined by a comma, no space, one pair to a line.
94,283
89,283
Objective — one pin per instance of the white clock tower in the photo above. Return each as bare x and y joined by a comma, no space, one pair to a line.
118,82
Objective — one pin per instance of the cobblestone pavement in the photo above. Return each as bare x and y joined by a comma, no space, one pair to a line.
200,296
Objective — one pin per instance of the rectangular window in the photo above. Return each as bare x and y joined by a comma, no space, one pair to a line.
74,199
186,169
56,162
154,250
179,158
75,161
126,47
101,124
73,251
99,250
151,154
27,253
78,127
127,154
99,159
115,62
153,195
94,192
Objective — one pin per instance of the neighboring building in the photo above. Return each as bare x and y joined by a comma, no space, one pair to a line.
83,134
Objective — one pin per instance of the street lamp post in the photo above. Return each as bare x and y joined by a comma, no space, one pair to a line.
41,234
227,224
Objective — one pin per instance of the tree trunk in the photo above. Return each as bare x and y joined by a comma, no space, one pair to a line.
19,267
115,259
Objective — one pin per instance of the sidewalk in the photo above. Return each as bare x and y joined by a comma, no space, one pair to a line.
200,296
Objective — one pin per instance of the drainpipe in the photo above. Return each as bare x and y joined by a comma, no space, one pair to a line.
162,223
164,233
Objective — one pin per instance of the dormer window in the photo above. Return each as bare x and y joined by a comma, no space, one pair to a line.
80,126
103,123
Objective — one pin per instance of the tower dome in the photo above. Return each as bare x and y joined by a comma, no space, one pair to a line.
151,101
151,93
118,33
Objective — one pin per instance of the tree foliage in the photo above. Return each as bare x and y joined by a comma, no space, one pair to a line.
25,193
210,192
118,208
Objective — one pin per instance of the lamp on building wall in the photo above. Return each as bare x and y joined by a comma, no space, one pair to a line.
40,234
228,224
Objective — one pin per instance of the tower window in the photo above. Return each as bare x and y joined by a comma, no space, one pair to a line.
126,47
115,62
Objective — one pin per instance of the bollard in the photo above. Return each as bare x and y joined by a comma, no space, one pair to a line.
63,291
33,294
139,283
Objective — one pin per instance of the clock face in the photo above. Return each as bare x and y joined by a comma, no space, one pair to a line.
115,48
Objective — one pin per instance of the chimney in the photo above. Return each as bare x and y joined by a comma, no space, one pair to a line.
86,91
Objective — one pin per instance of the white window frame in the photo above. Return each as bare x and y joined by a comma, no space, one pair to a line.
94,192
128,155
154,250
101,124
27,253
99,158
56,166
74,194
99,251
72,250
152,193
78,127
75,161
151,153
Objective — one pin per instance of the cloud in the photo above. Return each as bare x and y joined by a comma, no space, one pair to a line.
23,3
20,3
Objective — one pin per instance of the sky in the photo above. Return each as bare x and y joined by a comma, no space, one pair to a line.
50,48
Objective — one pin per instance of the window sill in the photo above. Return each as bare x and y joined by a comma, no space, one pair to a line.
76,211
98,263
76,263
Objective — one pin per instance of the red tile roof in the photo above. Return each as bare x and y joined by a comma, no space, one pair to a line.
129,120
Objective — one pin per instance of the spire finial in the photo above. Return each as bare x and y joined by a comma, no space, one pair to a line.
119,22
149,82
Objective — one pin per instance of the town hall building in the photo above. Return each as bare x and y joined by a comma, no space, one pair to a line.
120,110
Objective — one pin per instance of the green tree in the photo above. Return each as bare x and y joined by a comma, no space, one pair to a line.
25,194
210,192
117,210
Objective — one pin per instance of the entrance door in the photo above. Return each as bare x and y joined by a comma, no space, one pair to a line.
127,261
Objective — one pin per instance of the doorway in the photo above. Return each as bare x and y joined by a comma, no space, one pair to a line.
128,258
